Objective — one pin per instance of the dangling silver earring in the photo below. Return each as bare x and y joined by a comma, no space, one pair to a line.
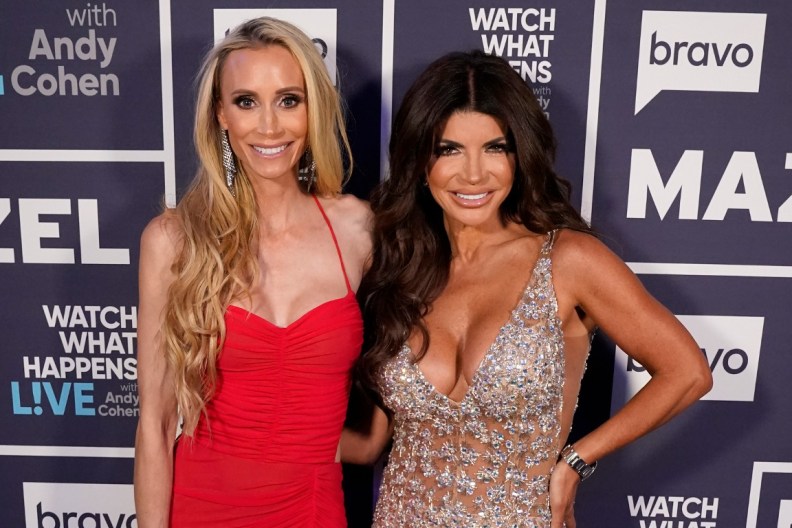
228,162
307,171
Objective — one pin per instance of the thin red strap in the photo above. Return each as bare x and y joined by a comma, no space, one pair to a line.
335,241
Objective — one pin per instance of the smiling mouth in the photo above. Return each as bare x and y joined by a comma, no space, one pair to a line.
270,151
471,196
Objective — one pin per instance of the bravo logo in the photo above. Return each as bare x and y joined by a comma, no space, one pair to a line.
56,505
319,24
731,346
705,52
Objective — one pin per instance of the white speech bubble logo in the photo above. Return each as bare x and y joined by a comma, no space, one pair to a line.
55,504
732,346
704,52
318,24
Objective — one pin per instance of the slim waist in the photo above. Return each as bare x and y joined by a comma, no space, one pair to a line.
205,473
300,449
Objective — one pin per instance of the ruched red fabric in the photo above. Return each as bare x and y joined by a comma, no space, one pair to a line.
266,455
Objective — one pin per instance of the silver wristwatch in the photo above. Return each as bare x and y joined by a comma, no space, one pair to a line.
570,456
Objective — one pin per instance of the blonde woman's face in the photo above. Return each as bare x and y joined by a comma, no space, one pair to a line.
263,107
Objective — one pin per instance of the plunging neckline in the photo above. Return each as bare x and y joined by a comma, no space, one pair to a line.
490,352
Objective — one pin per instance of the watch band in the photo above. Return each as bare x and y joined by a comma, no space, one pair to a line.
570,456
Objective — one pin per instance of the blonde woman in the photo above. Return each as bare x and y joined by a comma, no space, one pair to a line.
248,324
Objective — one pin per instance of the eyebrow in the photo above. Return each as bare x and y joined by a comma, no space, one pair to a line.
452,143
287,89
291,89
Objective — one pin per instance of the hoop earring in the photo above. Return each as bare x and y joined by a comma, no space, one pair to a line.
307,171
228,162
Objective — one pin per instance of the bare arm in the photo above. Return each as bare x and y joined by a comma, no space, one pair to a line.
156,430
367,431
588,275
616,300
365,443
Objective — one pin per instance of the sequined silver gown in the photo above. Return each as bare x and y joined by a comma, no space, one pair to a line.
484,461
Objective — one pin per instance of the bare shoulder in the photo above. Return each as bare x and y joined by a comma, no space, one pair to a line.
349,213
352,221
348,208
575,251
585,268
161,238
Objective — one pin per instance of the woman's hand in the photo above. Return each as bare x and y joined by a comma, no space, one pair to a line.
563,489
364,441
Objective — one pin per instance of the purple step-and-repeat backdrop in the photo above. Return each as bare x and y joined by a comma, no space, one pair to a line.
675,127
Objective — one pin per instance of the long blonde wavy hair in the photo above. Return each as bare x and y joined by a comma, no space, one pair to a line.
217,258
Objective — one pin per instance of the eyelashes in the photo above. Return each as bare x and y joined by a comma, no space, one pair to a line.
291,100
445,150
498,147
245,101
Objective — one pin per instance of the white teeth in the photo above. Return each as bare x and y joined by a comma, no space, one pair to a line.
270,151
471,196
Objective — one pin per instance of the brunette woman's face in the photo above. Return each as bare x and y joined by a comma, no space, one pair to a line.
472,170
263,107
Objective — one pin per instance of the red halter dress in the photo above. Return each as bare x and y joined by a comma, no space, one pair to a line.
266,455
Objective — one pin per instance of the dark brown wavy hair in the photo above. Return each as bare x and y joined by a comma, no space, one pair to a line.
412,254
